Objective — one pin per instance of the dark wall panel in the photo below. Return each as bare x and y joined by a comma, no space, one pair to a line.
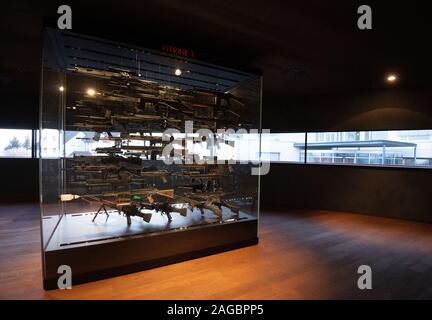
20,111
388,109
377,191
19,180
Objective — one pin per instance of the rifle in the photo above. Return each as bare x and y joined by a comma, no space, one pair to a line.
164,208
127,208
214,199
131,207
201,205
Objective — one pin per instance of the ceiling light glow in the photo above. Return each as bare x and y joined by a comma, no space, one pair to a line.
61,88
178,72
91,92
391,78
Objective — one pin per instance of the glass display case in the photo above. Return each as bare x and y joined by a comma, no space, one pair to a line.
146,157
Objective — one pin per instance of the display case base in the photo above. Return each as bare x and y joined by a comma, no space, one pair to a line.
140,252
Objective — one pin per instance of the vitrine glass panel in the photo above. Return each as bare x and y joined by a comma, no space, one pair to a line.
135,142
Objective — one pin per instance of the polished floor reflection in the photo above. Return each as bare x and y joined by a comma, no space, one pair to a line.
301,255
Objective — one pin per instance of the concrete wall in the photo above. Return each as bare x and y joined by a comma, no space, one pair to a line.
404,194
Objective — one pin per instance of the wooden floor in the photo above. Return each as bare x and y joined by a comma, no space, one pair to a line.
301,255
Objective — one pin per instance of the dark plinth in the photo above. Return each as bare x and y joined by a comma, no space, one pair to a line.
140,252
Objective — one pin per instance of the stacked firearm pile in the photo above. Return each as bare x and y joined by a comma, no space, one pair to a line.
126,176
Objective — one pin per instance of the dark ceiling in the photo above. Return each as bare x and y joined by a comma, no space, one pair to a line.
302,47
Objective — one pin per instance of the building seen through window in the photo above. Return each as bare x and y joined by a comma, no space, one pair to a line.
395,147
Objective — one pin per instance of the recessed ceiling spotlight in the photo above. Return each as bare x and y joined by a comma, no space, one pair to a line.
61,88
91,92
391,78
178,72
